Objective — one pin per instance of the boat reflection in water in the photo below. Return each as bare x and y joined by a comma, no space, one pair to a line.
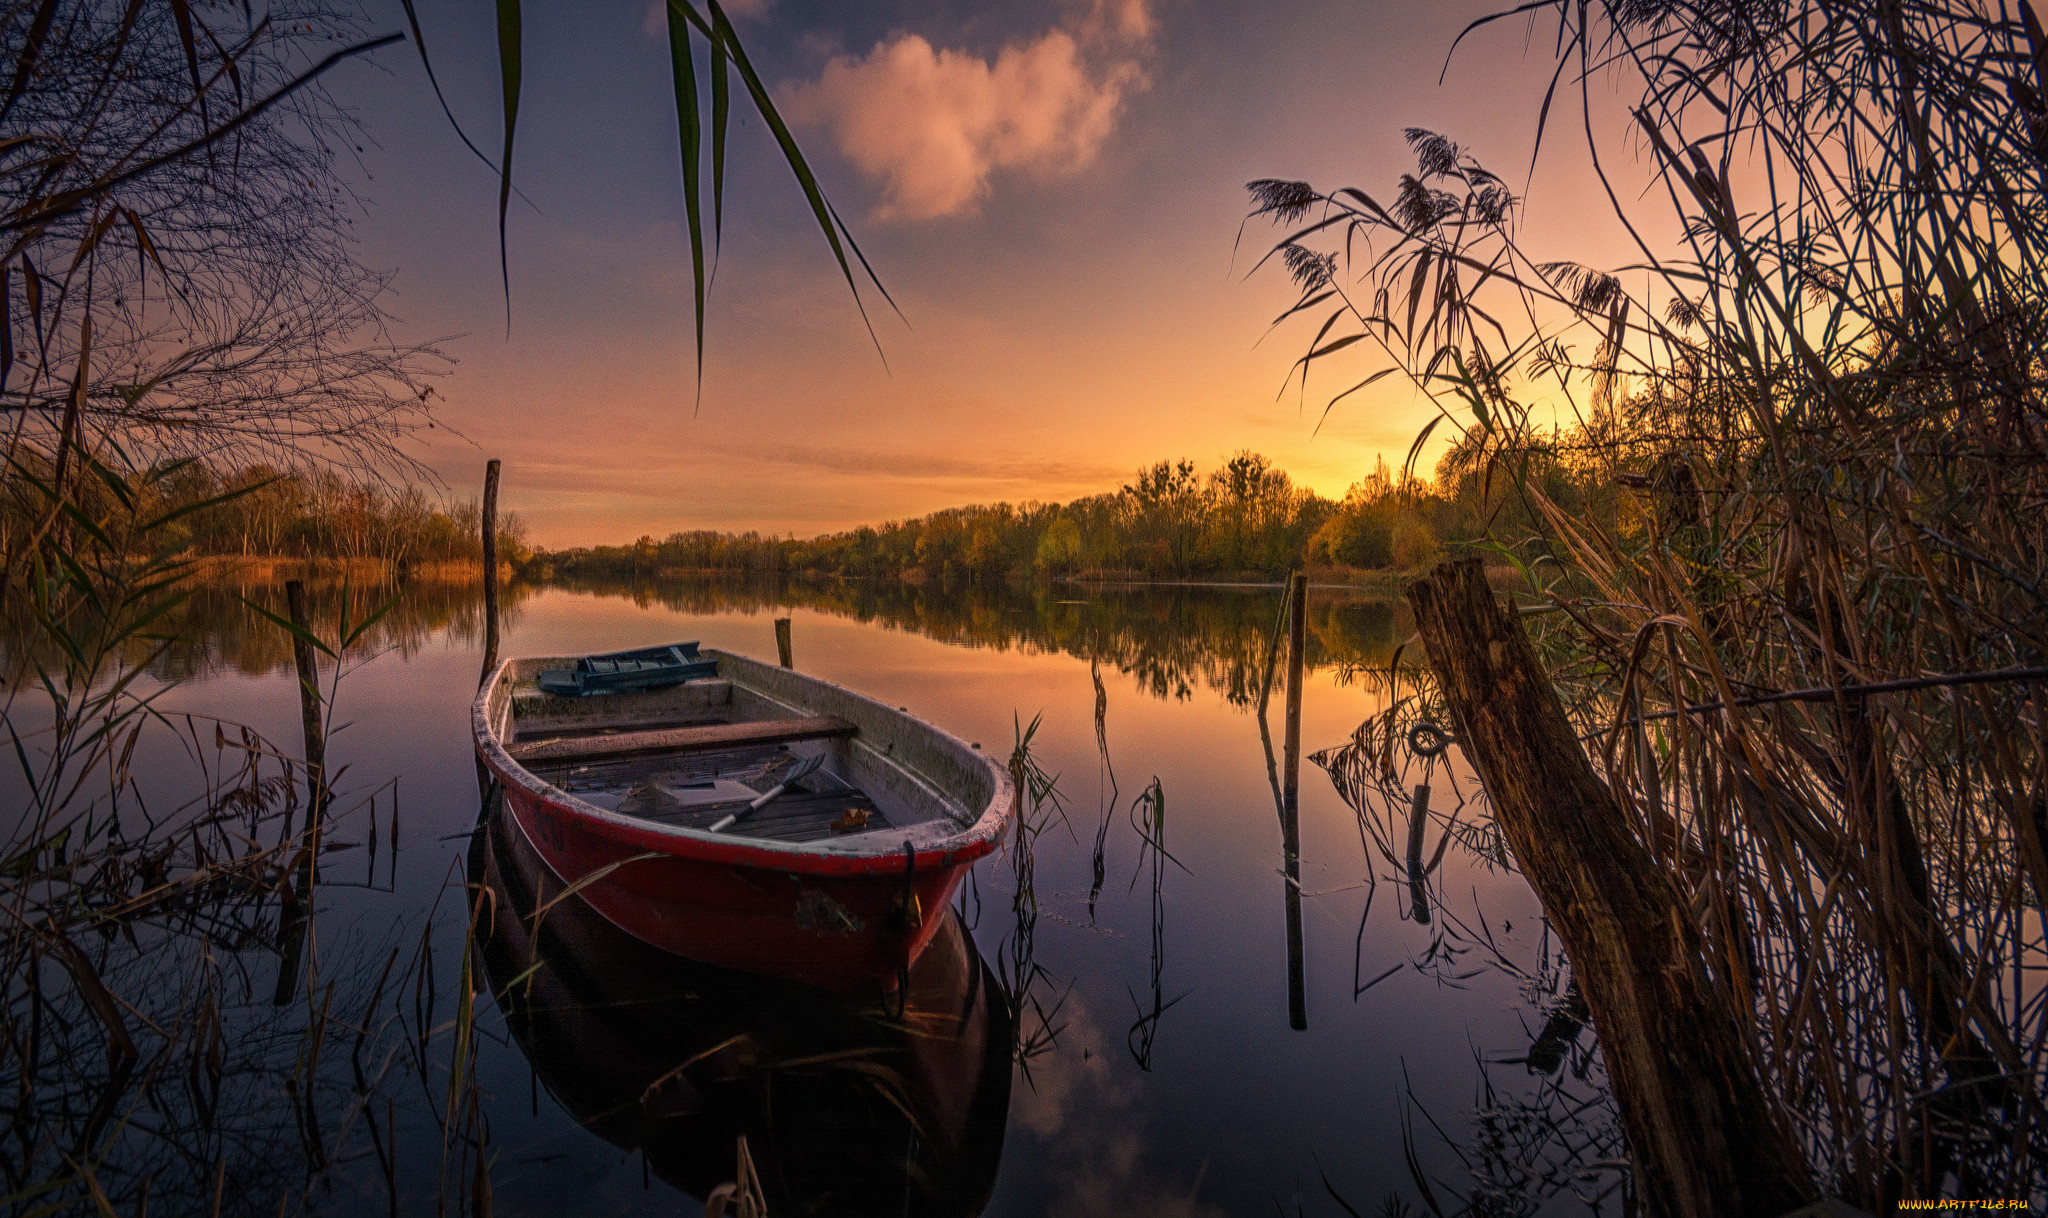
846,1108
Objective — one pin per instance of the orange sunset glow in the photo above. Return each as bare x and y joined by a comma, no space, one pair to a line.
1052,193
994,608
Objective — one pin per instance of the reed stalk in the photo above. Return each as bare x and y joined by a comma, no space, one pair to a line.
1817,433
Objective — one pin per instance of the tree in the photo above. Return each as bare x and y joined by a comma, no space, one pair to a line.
1167,504
177,275
1059,548
1239,484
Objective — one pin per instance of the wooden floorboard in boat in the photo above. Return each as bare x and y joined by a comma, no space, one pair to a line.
800,816
682,739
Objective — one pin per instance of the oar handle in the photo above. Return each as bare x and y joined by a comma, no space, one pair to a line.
762,800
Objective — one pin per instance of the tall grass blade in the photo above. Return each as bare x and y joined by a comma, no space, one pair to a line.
510,72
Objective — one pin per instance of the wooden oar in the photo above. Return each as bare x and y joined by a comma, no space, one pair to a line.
802,771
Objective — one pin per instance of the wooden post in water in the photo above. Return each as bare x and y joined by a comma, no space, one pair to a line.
298,900
1418,875
1704,1137
1297,973
309,702
1290,800
782,642
1297,641
490,539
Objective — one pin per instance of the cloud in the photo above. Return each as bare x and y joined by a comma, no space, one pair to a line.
932,125
994,473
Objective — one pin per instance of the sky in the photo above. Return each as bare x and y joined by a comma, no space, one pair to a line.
1051,190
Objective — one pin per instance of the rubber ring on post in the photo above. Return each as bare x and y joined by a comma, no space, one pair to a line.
1426,739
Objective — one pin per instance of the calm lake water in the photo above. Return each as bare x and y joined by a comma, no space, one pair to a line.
1168,1069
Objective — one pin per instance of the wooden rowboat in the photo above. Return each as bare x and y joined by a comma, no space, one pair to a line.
839,882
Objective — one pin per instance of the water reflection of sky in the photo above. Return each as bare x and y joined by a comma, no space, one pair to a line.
1237,1111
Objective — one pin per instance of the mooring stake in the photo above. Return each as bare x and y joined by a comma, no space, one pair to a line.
309,699
1290,802
490,539
1418,875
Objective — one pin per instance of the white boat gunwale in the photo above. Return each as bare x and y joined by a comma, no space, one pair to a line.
950,830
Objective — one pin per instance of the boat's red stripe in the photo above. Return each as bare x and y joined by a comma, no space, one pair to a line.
749,909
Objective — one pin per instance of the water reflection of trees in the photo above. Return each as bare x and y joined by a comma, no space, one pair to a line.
215,632
1173,639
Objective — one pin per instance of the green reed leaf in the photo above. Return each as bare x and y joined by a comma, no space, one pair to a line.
690,133
289,627
509,74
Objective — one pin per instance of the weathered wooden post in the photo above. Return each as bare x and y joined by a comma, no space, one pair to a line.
1290,800
782,642
309,701
490,539
291,951
1297,641
1704,1137
298,899
1418,875
1297,973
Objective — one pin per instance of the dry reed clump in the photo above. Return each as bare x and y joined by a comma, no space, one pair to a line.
1026,982
1808,640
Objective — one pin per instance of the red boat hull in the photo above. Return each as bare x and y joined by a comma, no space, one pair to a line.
840,923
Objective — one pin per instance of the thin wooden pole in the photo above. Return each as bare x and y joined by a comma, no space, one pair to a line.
490,529
1418,875
298,902
1297,641
1297,972
309,701
1290,801
782,642
1704,1135
1290,879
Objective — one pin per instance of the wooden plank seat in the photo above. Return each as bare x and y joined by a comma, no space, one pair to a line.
579,732
682,739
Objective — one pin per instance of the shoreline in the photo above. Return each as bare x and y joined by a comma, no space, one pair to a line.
274,568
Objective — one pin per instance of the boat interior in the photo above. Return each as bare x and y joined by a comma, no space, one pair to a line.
697,790
700,752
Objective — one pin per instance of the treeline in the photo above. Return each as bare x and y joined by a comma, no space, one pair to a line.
258,511
1171,522
1167,641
